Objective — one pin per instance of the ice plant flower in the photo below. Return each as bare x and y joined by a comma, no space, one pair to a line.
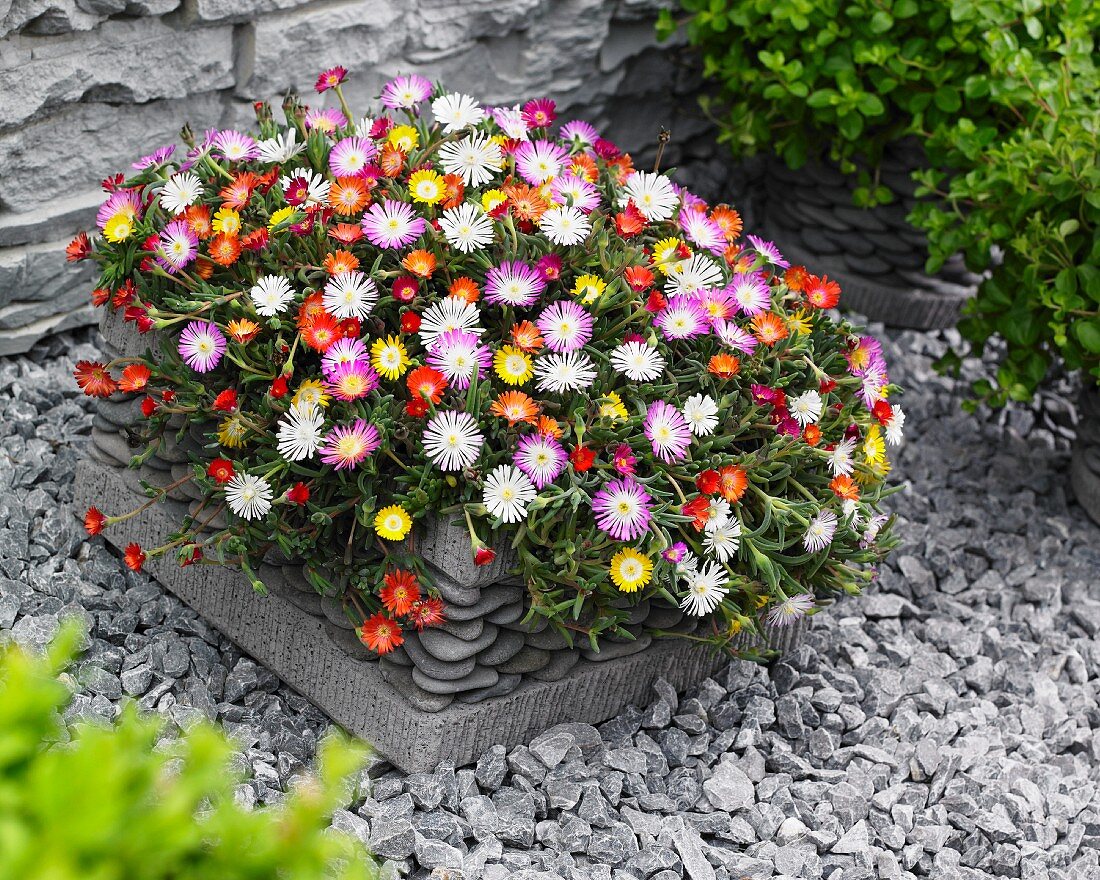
452,440
819,533
381,634
271,294
393,523
513,283
201,345
638,361
622,509
631,570
347,446
667,430
791,609
706,588
392,224
565,326
248,496
541,457
400,592
299,432
507,493
405,92
565,225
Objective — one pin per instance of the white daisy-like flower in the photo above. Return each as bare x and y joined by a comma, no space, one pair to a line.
874,526
511,121
248,496
706,588
693,275
364,126
456,112
701,413
718,514
507,493
300,432
467,227
350,295
180,192
449,313
687,566
565,226
317,187
820,531
841,460
475,159
895,428
569,371
723,541
271,294
806,407
652,194
281,148
452,440
638,361
850,511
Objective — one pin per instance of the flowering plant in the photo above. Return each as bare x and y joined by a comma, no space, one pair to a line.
473,313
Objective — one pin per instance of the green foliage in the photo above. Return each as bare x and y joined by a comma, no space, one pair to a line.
1003,95
111,803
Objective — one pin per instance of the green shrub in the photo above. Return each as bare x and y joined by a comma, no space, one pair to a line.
1003,95
110,803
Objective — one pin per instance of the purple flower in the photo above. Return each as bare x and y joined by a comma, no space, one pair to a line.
513,283
703,231
751,292
682,318
350,156
668,431
325,120
347,446
158,157
538,161
127,200
676,553
570,189
352,381
392,224
578,131
621,509
565,326
343,351
768,251
234,146
541,457
405,92
736,337
201,346
456,354
177,247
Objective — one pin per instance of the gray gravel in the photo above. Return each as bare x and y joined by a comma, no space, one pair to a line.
945,725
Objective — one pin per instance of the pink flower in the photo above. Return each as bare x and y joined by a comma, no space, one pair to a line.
201,346
621,509
347,446
351,156
392,224
330,79
539,113
405,92
668,431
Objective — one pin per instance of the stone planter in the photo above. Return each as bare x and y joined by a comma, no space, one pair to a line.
875,254
1085,466
448,693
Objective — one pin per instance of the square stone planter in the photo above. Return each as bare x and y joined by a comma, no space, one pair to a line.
449,693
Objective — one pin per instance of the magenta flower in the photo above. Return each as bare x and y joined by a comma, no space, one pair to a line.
325,120
578,131
177,247
549,267
158,157
541,457
682,318
565,326
456,354
392,224
351,156
538,161
347,446
736,337
624,460
235,146
718,305
703,231
751,292
128,200
570,189
513,283
330,79
405,92
343,351
668,431
201,346
539,113
352,381
621,509
768,251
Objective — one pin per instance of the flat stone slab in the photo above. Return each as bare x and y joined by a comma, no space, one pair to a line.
351,690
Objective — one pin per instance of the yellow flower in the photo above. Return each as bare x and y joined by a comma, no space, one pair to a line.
492,198
120,227
589,287
311,391
630,570
799,323
227,220
279,216
513,365
613,408
392,523
874,448
427,186
666,254
404,138
232,431
389,358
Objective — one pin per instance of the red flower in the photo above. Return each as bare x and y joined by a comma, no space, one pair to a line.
298,494
427,612
195,556
321,333
330,78
226,401
826,386
821,293
134,557
417,408
351,328
381,634
256,240
410,322
134,378
278,388
168,396
139,316
883,412
79,248
94,379
484,556
655,301
148,407
94,521
400,591
582,458
630,221
698,508
100,296
405,289
708,482
426,383
639,278
220,470
123,295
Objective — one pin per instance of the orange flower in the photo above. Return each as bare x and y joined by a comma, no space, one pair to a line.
346,233
94,521
453,191
733,482
515,406
392,161
795,278
812,435
381,634
526,202
621,167
349,196
399,592
320,333
728,220
639,278
204,268
769,328
548,426
242,329
79,248
134,557
100,296
583,165
237,194
198,218
94,379
420,262
424,382
844,487
341,261
526,336
724,366
822,293
312,306
225,249
134,378
465,289
256,240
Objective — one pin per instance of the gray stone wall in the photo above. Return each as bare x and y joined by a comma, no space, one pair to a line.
88,85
